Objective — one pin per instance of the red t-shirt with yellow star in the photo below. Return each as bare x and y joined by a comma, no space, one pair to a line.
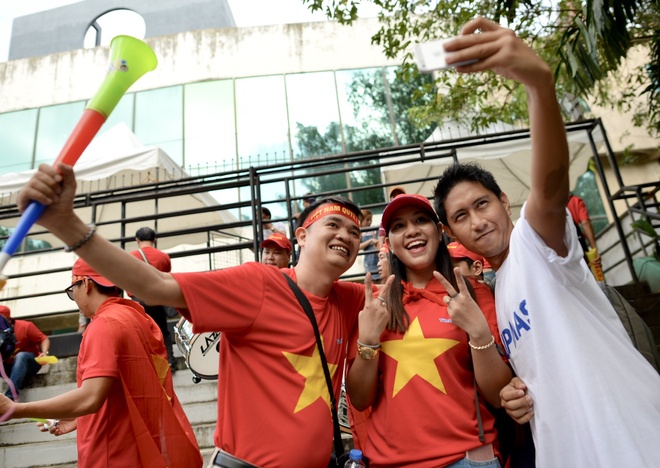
273,402
425,413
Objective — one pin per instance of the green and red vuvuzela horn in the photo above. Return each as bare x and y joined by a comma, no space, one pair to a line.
130,58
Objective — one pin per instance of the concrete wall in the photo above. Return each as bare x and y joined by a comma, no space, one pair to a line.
63,29
195,56
619,122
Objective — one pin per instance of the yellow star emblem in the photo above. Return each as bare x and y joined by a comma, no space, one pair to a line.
415,355
311,369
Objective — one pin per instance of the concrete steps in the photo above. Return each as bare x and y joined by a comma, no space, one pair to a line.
22,445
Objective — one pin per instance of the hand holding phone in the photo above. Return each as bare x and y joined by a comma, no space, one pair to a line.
432,56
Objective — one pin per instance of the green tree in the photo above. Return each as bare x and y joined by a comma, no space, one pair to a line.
584,42
395,101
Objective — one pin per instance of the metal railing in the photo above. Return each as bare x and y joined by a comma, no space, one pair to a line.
226,241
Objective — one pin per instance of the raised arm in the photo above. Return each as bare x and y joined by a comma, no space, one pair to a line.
56,190
498,49
490,371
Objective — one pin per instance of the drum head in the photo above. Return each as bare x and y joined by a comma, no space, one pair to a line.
201,351
204,356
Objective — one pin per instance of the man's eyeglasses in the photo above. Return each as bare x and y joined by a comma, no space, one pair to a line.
69,290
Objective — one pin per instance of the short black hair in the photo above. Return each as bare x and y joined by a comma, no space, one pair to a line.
145,234
454,175
111,291
327,200
265,211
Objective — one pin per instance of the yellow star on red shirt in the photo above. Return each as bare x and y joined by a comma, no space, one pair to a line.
315,386
415,355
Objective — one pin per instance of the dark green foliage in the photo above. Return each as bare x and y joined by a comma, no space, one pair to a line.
583,41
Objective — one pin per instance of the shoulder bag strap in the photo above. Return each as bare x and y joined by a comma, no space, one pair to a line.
144,257
307,307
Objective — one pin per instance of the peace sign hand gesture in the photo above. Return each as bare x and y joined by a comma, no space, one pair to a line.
464,312
375,315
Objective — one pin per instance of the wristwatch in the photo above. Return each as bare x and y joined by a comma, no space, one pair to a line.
368,352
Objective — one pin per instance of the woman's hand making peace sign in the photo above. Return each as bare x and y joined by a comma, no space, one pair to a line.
463,310
375,315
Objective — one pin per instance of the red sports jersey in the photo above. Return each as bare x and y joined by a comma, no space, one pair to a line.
272,396
425,413
28,339
157,258
578,209
123,343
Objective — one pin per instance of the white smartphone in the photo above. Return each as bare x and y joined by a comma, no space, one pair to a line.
431,56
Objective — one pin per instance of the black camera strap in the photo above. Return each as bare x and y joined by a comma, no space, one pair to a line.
307,307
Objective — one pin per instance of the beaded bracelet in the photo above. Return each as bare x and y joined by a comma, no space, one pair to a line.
490,343
82,241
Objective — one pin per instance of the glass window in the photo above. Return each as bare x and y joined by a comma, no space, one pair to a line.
261,121
27,245
159,120
55,126
403,95
587,189
113,23
210,132
17,140
315,128
123,112
364,109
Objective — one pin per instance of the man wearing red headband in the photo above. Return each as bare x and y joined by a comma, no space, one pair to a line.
30,343
272,395
124,409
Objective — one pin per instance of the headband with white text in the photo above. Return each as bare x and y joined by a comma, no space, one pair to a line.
331,209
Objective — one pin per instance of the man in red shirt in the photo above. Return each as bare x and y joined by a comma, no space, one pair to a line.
30,343
467,261
580,215
124,409
276,251
147,252
272,396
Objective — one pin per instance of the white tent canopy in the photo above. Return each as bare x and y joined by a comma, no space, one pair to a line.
116,159
509,161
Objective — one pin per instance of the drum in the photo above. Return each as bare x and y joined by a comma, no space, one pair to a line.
201,350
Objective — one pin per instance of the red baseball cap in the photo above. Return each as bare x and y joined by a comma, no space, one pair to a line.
5,311
458,251
403,200
279,240
81,268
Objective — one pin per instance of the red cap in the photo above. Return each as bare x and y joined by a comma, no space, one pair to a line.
5,311
384,248
279,240
403,200
81,268
458,251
